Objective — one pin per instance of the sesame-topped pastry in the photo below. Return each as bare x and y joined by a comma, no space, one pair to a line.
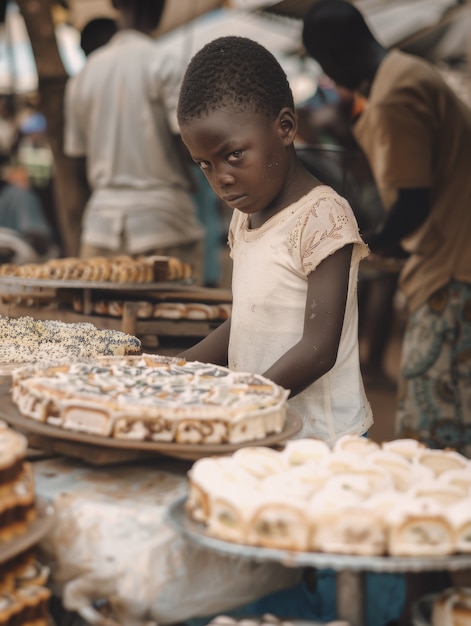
26,340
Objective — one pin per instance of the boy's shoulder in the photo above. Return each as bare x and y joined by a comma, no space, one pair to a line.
324,194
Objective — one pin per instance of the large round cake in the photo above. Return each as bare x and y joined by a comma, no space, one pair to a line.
152,398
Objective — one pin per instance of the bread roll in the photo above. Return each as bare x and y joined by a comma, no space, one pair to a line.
101,307
170,310
144,309
115,308
200,311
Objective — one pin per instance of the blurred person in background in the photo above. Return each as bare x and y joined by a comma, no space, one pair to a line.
121,130
96,33
416,134
8,125
25,234
32,162
328,148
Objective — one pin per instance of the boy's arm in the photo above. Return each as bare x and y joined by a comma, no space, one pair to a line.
213,348
316,352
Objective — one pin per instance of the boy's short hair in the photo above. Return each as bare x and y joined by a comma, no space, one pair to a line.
237,72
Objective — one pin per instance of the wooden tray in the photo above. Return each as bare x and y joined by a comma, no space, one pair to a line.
100,450
35,532
17,281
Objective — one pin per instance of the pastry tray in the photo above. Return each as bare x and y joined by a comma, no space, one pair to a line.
339,562
34,533
9,412
16,281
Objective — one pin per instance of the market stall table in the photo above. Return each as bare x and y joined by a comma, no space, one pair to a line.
350,569
111,541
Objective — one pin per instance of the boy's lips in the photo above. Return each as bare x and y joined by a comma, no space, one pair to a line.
234,198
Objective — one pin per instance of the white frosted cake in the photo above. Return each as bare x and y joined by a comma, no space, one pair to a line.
152,398
358,498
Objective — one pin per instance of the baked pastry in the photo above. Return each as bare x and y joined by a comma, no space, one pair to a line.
225,310
152,398
452,607
170,310
201,311
144,309
121,268
25,339
17,492
341,500
440,461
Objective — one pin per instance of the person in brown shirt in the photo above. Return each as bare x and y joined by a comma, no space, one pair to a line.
416,135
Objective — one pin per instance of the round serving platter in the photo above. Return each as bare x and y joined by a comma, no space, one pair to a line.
9,412
34,533
196,532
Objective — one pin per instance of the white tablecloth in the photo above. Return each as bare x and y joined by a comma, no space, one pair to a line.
112,541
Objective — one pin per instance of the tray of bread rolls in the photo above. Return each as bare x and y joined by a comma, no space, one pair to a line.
145,295
99,272
197,533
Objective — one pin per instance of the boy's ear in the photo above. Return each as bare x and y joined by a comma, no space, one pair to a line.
287,125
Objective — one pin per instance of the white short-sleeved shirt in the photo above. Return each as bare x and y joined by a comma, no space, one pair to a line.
270,269
120,115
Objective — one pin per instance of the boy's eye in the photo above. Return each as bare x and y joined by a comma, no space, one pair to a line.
234,156
204,165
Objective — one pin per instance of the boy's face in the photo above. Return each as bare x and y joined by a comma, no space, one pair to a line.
243,155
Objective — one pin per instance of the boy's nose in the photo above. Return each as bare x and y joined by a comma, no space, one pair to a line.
224,178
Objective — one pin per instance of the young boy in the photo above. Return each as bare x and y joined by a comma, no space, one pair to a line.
296,250
295,243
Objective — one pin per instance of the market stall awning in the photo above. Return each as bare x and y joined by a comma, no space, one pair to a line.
390,20
176,12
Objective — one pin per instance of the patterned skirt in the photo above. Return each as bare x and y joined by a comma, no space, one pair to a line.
434,404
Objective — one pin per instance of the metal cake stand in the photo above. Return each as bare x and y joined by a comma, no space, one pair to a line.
349,569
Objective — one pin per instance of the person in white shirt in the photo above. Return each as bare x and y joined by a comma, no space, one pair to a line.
120,126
